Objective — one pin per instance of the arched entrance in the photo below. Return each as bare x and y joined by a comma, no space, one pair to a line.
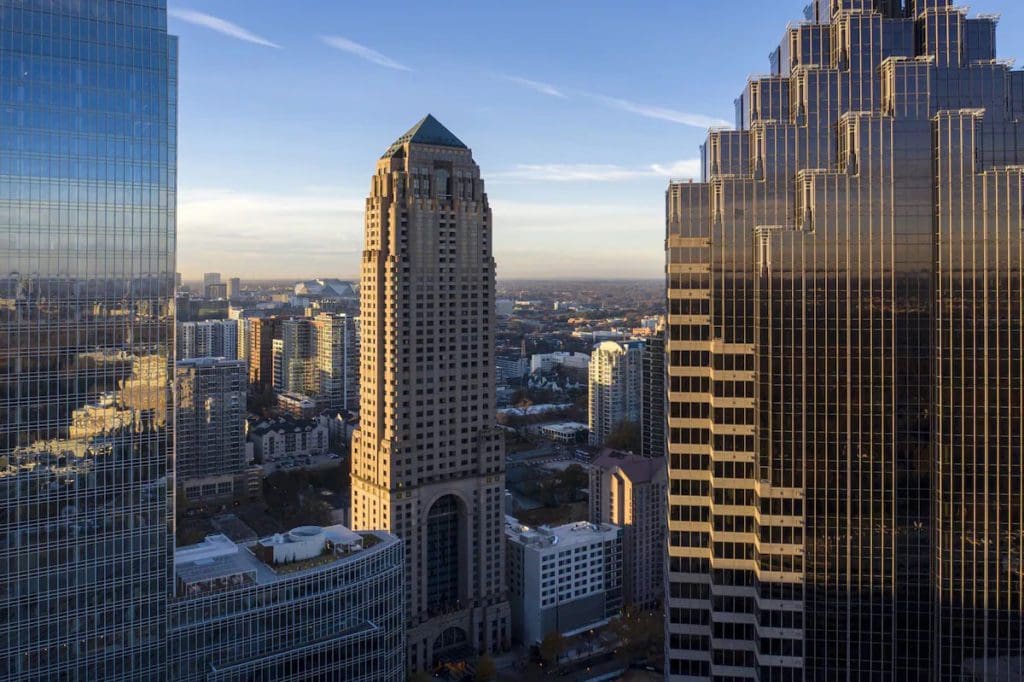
452,645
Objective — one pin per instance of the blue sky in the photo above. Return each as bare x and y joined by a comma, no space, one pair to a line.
578,113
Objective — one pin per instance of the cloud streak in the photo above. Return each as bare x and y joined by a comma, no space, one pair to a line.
587,172
543,88
363,52
220,26
662,113
646,110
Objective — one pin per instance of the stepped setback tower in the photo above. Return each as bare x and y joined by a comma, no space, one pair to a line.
845,358
427,460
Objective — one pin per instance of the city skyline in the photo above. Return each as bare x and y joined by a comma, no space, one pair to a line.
274,137
795,455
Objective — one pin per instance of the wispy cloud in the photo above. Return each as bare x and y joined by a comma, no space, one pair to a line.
649,111
662,113
543,88
220,26
588,172
363,52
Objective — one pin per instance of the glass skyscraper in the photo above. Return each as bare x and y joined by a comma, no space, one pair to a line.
845,354
87,229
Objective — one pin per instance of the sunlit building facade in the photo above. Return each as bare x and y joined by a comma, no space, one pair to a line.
428,463
845,361
615,379
87,234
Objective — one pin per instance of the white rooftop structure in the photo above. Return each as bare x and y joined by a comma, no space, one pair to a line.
578,533
218,563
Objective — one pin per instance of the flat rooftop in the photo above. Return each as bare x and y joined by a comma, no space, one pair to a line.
565,427
567,535
223,564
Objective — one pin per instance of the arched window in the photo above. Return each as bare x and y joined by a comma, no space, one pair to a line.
443,554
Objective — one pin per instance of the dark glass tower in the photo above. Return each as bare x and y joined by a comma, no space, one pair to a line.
652,407
87,227
845,358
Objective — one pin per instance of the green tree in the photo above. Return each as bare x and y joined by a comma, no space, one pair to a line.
486,670
552,646
625,436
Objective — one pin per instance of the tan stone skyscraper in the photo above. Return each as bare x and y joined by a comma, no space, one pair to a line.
427,461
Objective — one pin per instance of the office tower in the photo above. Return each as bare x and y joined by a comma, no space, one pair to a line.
87,210
311,604
319,359
615,379
209,428
427,461
262,332
335,376
296,355
177,280
210,278
216,291
207,339
279,364
652,406
244,334
845,404
234,290
630,491
566,579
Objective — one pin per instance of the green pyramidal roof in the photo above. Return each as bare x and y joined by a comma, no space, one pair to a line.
428,131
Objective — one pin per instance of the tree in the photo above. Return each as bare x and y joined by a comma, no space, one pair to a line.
641,634
486,670
552,646
625,436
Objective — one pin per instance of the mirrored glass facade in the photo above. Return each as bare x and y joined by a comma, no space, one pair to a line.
87,198
845,361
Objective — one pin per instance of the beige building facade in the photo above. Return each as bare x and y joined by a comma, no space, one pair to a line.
427,461
630,491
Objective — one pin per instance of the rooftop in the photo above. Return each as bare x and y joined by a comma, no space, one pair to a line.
638,468
567,535
427,131
217,563
565,427
281,424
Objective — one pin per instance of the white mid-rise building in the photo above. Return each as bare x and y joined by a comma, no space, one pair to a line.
615,381
565,579
545,362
